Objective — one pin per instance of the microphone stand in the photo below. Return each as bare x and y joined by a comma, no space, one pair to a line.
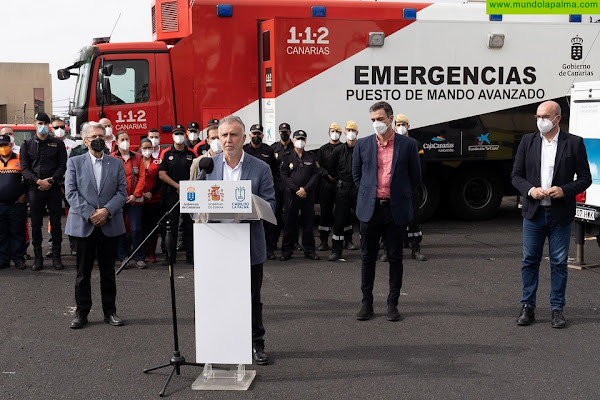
177,360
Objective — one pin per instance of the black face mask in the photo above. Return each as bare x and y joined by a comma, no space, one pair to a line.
256,140
284,136
97,144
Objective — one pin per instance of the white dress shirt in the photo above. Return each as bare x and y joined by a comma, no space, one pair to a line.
97,167
233,174
547,168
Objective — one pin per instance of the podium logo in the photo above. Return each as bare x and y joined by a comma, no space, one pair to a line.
191,193
215,193
240,193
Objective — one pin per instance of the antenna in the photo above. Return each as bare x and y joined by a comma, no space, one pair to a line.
116,22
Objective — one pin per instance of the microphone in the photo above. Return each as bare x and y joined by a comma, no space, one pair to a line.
206,166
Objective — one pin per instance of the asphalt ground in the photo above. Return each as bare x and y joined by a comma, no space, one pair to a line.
457,340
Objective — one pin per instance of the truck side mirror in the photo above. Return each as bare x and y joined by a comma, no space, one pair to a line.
106,93
63,74
107,70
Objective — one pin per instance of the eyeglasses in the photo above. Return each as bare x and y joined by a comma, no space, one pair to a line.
59,127
92,138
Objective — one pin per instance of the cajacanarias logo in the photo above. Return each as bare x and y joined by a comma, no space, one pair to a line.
440,144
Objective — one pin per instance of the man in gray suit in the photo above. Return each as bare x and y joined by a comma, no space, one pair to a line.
234,165
96,189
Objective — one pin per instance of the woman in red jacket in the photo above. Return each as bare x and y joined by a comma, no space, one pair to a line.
151,208
135,175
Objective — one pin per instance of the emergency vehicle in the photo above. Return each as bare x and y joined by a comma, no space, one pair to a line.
469,82
22,131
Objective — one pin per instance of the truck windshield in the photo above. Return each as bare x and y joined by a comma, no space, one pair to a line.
81,87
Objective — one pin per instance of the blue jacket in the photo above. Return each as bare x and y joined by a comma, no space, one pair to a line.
259,173
83,196
406,177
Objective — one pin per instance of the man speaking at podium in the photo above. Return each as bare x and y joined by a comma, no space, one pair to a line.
233,165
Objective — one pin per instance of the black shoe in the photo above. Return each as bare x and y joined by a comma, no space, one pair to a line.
285,257
393,314
297,247
113,319
260,357
527,316
383,257
312,256
20,265
49,253
38,264
79,321
271,256
333,257
323,247
365,313
418,256
57,263
350,246
558,319
180,247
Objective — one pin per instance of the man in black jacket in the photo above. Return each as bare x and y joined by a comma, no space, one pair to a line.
544,172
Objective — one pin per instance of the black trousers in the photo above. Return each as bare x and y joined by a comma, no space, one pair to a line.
168,201
98,247
327,202
39,200
381,224
258,329
272,232
306,206
12,232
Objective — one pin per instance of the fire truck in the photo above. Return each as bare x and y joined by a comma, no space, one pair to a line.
469,82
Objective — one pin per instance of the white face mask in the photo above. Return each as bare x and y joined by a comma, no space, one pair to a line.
351,135
108,134
60,132
215,146
155,141
178,139
545,125
193,136
299,144
402,130
124,145
380,127
335,136
147,153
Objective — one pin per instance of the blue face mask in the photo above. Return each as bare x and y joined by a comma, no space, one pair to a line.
42,130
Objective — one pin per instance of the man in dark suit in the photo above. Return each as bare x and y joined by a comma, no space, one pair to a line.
544,170
386,171
235,165
96,189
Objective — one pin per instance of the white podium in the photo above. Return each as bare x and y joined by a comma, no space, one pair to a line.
223,306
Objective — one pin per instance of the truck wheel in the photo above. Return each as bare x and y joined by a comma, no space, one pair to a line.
428,197
476,194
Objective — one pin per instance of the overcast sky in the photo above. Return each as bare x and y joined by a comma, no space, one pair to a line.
53,31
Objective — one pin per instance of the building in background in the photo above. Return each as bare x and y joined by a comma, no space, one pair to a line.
25,89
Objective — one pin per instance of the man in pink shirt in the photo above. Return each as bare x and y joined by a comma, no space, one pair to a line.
386,171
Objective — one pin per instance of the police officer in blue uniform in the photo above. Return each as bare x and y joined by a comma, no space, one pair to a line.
300,177
44,162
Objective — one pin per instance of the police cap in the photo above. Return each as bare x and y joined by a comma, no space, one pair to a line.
299,135
285,127
42,117
193,126
213,122
256,128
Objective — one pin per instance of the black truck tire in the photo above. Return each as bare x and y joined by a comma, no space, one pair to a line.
428,196
476,194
